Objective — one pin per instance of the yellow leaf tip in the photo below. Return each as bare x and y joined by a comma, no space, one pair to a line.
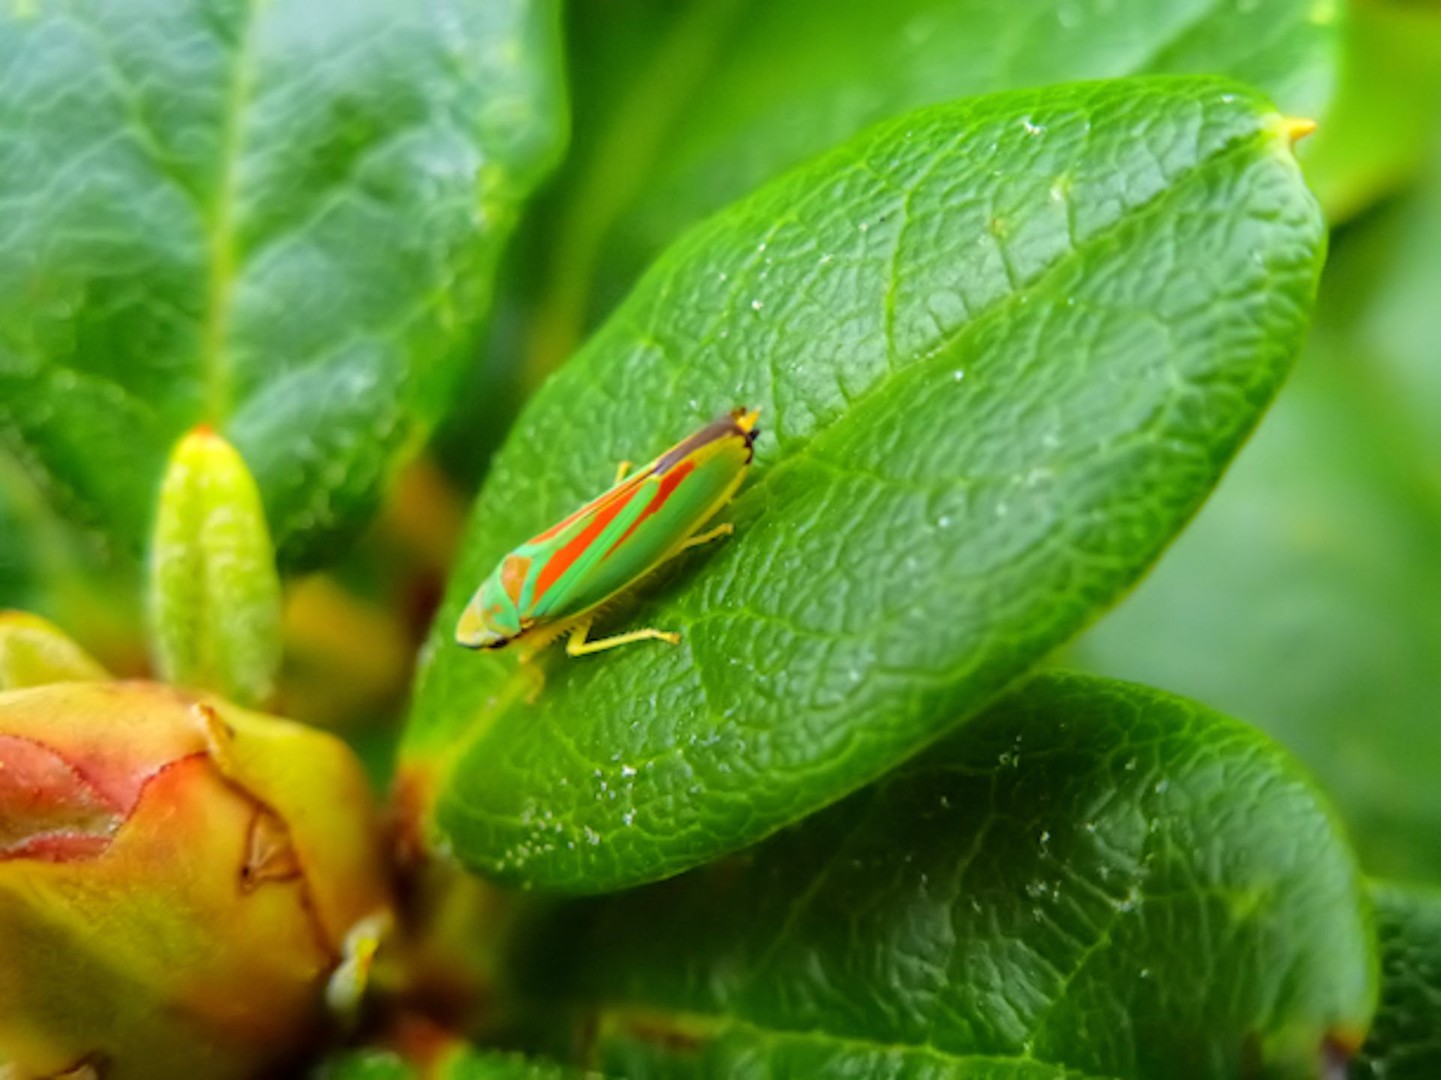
1296,128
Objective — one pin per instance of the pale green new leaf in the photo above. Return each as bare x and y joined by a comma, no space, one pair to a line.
214,594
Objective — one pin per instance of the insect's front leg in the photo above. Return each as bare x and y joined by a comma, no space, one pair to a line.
724,529
620,472
706,537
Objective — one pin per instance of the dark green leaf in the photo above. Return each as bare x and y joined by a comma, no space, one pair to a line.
1092,879
1003,348
679,113
1307,596
453,1062
280,219
1405,1040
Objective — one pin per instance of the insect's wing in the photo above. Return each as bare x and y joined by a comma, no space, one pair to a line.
634,527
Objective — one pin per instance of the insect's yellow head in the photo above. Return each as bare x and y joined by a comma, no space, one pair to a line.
492,618
744,421
487,622
475,630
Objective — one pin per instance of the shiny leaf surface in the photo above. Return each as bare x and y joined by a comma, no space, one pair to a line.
1092,879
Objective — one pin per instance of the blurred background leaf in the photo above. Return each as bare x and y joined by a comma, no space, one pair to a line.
1090,879
986,413
280,219
1375,137
1307,594
70,576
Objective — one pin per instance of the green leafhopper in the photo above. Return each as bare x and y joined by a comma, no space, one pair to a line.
554,583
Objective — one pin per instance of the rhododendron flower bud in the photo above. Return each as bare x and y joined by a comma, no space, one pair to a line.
179,881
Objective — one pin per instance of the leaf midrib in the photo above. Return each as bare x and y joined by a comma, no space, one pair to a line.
220,228
940,355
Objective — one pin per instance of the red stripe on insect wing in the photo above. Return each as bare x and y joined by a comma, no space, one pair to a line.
565,558
716,431
657,501
598,503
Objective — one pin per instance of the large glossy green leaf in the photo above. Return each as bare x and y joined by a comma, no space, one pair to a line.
277,218
1405,1040
1092,879
684,108
1307,596
1002,349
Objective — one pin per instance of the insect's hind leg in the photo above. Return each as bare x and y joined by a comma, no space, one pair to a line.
579,645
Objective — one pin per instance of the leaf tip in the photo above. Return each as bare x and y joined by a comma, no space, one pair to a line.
1295,128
